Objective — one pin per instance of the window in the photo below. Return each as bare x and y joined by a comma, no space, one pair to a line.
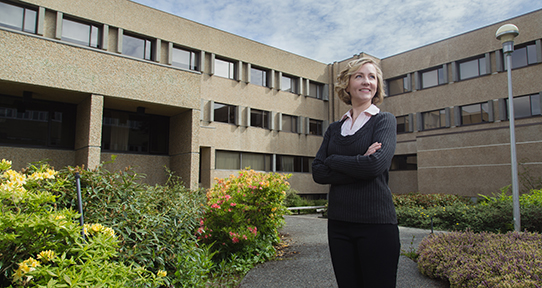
475,114
434,119
259,118
472,68
289,123
315,127
80,33
522,56
403,124
224,113
316,90
258,76
184,59
398,86
286,163
135,132
525,106
433,77
18,18
227,160
37,123
136,47
404,162
256,161
288,84
224,69
232,160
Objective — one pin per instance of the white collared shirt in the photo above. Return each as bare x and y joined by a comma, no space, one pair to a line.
348,129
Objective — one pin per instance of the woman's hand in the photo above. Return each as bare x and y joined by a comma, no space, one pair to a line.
373,148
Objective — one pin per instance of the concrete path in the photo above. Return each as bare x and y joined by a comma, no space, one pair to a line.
306,261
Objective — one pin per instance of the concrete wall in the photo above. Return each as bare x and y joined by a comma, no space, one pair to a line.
466,160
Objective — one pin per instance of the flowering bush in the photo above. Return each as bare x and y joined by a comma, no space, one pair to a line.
468,259
33,232
243,214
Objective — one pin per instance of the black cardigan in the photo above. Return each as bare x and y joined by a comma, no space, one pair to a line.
359,189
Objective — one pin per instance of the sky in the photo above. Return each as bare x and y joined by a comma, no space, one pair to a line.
334,30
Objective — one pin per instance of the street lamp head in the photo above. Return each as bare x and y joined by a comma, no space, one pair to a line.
506,35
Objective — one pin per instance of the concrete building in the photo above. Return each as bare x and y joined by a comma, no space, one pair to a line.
81,81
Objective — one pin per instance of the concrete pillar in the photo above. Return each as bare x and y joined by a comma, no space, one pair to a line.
88,135
184,147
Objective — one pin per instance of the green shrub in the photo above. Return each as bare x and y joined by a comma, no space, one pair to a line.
293,199
450,212
32,227
242,216
426,200
156,224
468,259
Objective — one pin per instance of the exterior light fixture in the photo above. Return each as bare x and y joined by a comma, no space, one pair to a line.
506,35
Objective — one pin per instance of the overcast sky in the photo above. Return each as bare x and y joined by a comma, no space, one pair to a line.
334,30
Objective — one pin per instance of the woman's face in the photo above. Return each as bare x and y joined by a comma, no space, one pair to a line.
363,85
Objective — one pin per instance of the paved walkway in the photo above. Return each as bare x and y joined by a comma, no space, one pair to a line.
307,263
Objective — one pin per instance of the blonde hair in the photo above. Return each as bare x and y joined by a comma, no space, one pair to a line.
344,78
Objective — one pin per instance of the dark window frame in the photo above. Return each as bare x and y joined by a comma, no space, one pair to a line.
480,111
53,120
533,98
441,123
267,160
294,123
440,77
193,61
316,90
293,84
29,19
405,85
93,28
316,127
148,46
404,162
301,164
530,49
258,76
262,116
156,125
406,124
480,66
231,112
232,67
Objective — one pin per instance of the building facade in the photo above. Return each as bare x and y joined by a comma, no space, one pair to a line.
81,81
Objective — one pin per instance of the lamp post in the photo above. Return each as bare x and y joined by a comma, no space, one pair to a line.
506,35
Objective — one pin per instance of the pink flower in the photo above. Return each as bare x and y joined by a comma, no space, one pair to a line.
228,197
215,206
233,204
245,237
253,230
235,240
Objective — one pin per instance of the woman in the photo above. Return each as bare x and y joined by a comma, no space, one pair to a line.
354,158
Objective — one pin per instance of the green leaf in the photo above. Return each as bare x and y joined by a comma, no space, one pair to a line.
67,279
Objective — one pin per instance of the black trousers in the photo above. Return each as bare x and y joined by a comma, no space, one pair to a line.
364,255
